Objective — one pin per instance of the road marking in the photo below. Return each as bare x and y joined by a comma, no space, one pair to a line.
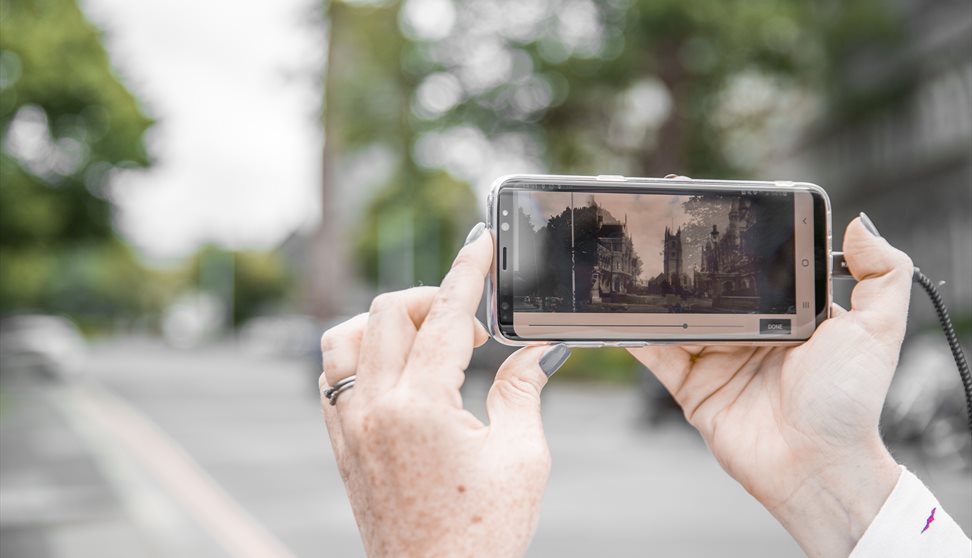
241,535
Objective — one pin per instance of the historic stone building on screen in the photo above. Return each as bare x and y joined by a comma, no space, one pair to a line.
715,254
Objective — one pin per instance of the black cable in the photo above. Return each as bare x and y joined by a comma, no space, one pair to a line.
953,342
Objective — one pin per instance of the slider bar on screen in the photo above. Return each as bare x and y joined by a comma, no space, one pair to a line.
679,326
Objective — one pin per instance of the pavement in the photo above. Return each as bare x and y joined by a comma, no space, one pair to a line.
217,452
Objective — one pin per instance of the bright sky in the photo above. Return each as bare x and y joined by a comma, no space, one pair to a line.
234,87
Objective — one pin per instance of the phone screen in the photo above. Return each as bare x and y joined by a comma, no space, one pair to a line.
656,264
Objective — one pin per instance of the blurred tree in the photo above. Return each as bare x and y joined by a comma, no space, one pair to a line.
97,283
418,224
407,234
254,283
636,87
261,284
66,123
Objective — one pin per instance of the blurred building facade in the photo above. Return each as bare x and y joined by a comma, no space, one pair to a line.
906,159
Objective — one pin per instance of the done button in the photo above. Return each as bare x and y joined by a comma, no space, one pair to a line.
774,327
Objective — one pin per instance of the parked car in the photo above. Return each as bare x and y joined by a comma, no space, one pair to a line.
51,345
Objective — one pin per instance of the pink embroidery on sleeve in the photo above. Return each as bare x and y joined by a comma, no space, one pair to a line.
928,521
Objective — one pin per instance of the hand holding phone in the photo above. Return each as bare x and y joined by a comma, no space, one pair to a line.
424,476
798,426
593,261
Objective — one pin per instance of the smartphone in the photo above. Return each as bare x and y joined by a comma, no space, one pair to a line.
606,260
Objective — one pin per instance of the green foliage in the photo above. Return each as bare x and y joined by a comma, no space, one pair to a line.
694,50
610,365
571,97
97,283
366,98
255,282
424,221
571,100
66,123
262,284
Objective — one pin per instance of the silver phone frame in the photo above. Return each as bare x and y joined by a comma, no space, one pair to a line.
613,181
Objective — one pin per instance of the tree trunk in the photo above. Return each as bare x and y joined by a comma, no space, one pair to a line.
327,271
669,155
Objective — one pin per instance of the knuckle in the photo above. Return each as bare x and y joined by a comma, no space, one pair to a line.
327,340
515,388
335,363
332,336
534,459
382,302
543,460
903,262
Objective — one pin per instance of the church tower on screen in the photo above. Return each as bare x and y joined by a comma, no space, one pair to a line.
673,257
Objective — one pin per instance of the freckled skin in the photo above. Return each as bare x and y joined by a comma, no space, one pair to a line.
410,460
798,427
425,477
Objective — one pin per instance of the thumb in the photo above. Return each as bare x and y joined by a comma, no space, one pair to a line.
513,402
884,275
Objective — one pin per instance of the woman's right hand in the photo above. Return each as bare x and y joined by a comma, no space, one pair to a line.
798,426
424,476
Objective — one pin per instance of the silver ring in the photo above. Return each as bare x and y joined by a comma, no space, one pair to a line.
334,391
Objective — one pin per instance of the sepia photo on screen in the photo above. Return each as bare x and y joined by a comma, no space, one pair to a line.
653,253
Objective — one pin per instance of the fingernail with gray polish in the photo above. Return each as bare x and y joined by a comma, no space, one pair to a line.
554,359
474,233
869,225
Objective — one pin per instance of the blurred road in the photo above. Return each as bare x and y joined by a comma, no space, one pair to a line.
216,452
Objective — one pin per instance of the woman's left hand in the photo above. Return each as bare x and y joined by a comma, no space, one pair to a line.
425,477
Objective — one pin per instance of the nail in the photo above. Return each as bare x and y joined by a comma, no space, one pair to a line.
474,233
553,359
869,225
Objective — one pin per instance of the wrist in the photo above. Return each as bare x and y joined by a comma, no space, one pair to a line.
836,499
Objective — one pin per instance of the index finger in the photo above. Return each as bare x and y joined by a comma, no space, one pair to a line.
444,343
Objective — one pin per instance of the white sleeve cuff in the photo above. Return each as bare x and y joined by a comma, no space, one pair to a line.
912,523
